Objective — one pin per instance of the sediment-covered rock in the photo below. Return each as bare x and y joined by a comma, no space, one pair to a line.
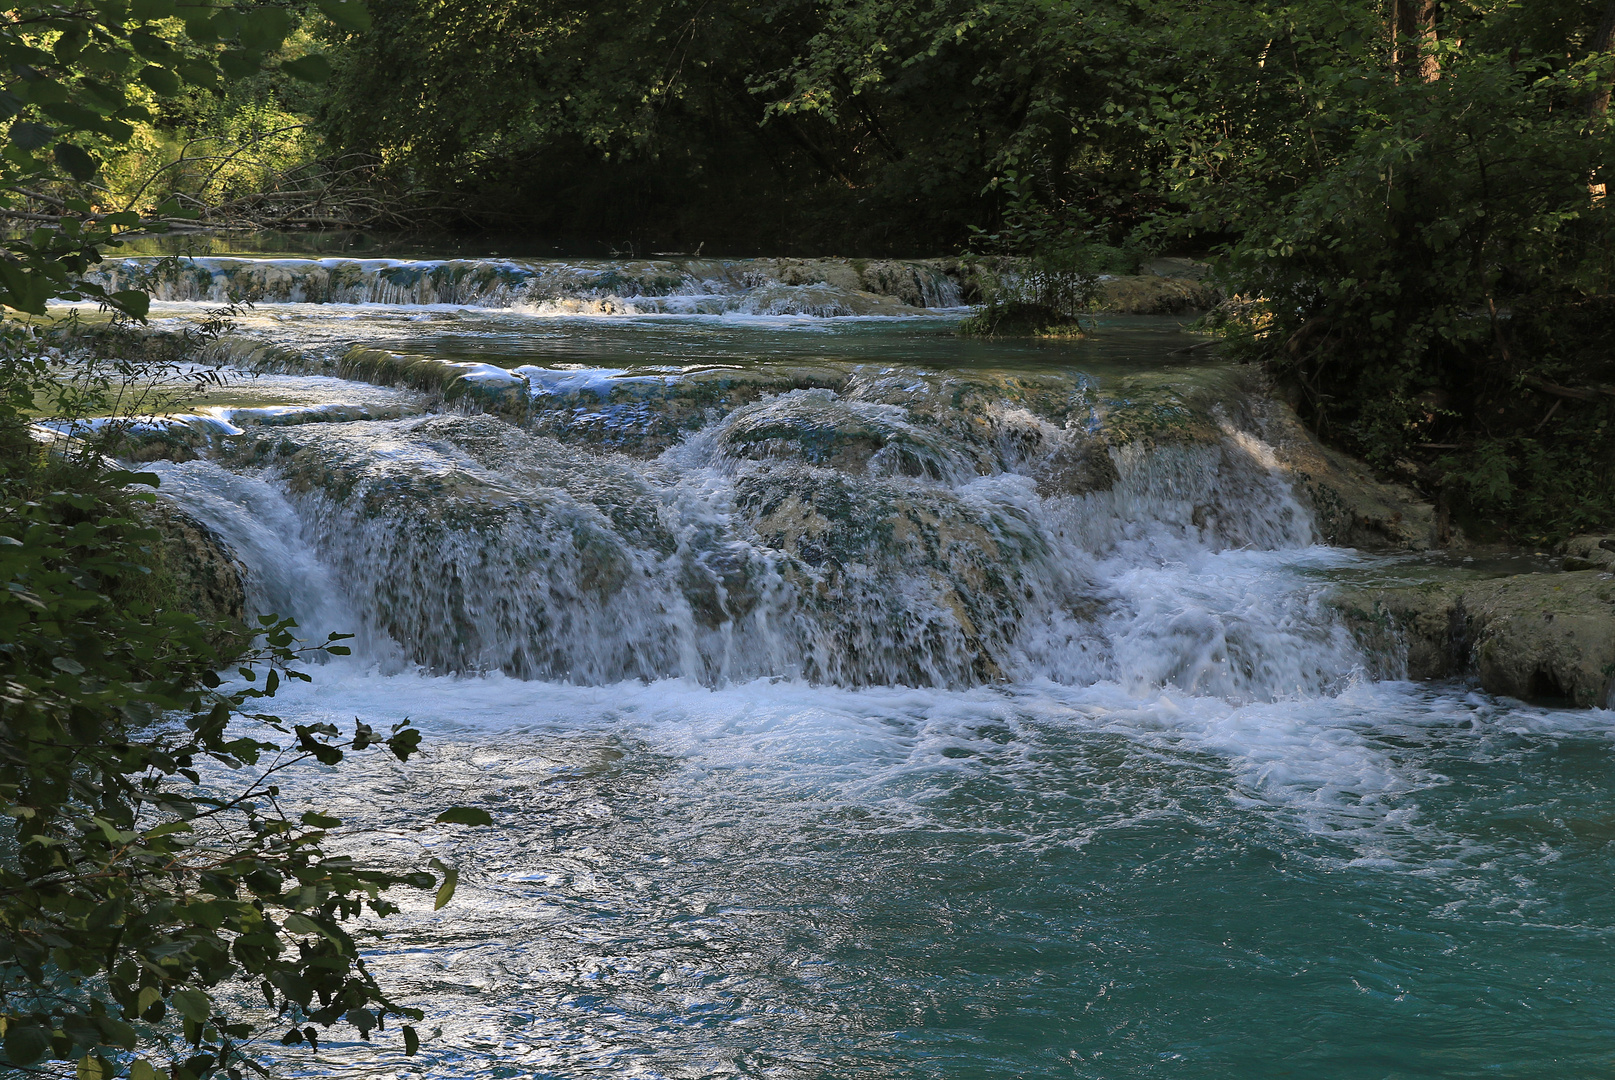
1152,294
1596,552
197,573
687,285
1538,637
1351,507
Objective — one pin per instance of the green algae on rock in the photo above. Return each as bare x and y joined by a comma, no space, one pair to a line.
1537,637
196,572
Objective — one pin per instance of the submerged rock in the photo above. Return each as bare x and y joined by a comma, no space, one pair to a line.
1548,638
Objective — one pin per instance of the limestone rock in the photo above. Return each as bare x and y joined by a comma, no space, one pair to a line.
1351,507
1172,267
1152,294
1589,553
1538,637
197,573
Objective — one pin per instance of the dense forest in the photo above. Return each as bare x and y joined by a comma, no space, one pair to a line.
1404,202
1408,192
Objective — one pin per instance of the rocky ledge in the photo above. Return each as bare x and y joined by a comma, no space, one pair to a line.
1547,637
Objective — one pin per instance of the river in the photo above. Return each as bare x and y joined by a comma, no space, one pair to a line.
856,700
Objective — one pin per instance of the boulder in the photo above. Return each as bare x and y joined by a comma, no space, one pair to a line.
1548,638
1589,553
196,572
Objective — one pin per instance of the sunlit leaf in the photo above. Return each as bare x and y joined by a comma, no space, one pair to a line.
192,1005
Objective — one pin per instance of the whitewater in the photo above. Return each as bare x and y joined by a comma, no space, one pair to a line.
855,700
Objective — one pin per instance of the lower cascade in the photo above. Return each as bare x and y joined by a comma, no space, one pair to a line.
904,528
849,697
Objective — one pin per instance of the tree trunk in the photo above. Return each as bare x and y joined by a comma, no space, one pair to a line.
1603,39
1413,29
1429,62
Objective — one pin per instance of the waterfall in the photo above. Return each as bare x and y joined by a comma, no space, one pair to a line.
894,529
816,287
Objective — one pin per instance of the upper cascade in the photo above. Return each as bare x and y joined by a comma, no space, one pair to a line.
816,287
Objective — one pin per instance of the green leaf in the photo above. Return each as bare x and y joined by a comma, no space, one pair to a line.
347,14
298,923
31,136
133,301
142,1070
445,892
201,29
151,9
67,664
74,116
239,63
149,996
198,73
162,80
25,1045
320,821
78,164
193,1005
412,1042
464,815
264,28
314,68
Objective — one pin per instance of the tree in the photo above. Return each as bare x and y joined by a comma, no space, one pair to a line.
129,894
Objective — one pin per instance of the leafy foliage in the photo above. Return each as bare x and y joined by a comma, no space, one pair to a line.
136,895
1419,253
141,887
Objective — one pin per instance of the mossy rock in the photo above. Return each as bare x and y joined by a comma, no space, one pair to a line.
1548,638
1153,294
195,572
644,413
819,427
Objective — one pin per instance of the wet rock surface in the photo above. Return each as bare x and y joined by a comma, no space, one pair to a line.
1596,552
853,522
197,573
819,287
1349,505
1547,637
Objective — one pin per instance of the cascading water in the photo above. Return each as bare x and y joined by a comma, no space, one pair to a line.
856,700
817,535
687,286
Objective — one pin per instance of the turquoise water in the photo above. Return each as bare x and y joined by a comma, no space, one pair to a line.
1221,853
785,882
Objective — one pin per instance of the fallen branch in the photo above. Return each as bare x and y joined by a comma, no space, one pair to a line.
1575,393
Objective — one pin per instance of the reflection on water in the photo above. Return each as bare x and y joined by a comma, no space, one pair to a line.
1120,343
